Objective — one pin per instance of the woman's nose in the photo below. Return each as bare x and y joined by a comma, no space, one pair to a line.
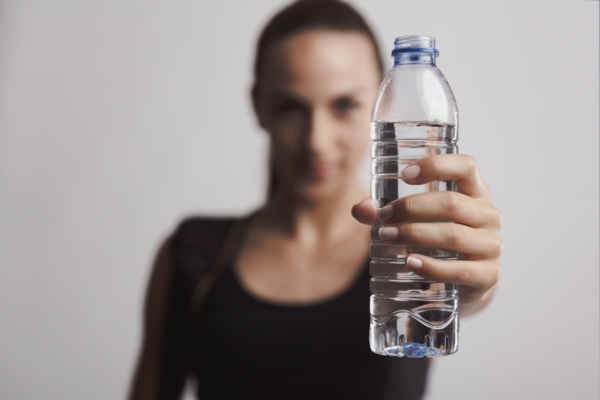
320,130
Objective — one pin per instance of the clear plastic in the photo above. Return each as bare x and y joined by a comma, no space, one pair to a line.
414,116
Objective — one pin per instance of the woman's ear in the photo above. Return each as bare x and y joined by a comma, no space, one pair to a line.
256,106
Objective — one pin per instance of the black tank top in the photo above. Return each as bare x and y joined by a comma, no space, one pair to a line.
246,348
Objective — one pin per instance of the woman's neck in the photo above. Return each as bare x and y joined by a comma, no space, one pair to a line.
314,221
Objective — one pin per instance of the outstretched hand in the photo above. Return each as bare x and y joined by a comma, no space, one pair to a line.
473,232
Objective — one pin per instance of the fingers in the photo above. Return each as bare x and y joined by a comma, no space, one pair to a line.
436,205
419,220
460,168
445,235
365,212
413,221
479,276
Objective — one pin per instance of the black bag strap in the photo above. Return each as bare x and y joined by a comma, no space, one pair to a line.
202,248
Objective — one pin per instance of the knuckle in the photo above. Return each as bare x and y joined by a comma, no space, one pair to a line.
415,232
463,274
493,219
495,275
498,273
486,188
409,233
498,218
455,235
470,163
405,205
450,201
496,248
435,163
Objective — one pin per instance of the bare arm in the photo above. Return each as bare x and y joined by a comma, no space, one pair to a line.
146,378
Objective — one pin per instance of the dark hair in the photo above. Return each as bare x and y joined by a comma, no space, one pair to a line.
305,15
301,16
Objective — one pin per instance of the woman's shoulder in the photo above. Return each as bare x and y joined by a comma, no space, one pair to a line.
205,231
200,227
204,237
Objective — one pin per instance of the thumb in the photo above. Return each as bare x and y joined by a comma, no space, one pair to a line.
365,212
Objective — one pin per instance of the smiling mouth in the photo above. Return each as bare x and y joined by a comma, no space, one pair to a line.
317,170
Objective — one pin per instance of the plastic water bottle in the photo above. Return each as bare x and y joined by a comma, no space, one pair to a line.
414,116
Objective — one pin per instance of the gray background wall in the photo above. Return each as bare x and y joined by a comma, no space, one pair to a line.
117,118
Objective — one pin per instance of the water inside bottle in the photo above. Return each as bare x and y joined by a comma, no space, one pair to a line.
395,146
410,316
419,130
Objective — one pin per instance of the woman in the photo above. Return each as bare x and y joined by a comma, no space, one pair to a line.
288,316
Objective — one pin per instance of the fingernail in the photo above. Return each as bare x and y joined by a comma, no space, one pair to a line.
388,232
411,172
386,213
414,262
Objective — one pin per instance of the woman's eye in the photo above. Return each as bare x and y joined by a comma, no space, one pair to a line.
286,107
344,105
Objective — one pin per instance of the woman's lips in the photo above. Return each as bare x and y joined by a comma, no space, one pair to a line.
317,170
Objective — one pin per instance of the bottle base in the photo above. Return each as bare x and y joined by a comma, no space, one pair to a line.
413,350
395,338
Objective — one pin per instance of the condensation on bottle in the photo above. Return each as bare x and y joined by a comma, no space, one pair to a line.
414,116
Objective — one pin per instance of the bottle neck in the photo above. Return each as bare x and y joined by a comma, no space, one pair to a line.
414,50
414,58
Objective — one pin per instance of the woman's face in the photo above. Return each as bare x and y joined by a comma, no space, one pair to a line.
315,98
